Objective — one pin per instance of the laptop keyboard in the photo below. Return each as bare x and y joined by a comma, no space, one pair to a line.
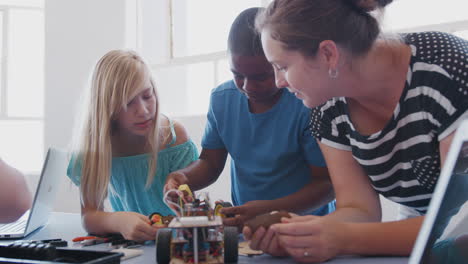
14,227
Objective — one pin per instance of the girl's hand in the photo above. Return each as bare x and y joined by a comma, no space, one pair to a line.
135,226
310,238
264,240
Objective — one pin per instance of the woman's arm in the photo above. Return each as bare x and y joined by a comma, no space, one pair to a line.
356,200
324,238
15,197
338,237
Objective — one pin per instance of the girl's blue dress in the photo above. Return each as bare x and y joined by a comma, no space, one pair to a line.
129,174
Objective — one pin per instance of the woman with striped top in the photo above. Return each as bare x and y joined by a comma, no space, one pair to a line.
384,111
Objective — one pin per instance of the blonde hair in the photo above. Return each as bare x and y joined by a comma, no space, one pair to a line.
117,77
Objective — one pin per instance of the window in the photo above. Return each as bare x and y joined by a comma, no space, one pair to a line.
195,62
423,15
22,83
191,20
188,50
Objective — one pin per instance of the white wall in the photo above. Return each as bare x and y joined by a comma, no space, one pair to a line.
77,34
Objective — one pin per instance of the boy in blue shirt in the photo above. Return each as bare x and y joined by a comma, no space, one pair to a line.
276,163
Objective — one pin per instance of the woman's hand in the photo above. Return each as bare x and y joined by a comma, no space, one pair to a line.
135,226
310,238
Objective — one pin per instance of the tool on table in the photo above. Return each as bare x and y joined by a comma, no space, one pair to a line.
83,238
91,239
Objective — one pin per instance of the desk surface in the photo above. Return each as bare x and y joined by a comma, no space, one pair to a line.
67,226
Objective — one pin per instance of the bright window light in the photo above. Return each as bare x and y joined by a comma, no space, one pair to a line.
224,71
462,34
1,61
26,64
24,3
200,77
199,31
22,144
22,84
403,14
185,89
198,36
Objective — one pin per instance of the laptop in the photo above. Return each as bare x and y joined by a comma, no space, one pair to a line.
443,237
54,168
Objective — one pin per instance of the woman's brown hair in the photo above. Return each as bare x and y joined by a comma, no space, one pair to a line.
302,24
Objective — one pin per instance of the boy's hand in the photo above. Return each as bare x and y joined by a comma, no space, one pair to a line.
174,180
265,240
135,226
245,212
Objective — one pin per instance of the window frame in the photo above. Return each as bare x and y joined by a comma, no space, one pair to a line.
213,57
4,62
449,27
216,57
4,97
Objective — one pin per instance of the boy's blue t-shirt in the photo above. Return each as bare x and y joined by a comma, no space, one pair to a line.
271,152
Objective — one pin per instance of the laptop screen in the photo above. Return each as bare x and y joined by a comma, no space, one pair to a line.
448,239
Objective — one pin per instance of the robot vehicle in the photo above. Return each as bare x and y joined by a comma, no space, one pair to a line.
197,234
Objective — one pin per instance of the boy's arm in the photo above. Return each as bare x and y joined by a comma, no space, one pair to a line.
312,196
201,172
15,198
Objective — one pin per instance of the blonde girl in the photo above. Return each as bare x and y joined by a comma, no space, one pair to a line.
125,149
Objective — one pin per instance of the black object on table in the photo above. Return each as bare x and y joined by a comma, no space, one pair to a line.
39,253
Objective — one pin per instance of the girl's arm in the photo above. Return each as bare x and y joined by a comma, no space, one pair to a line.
131,225
15,198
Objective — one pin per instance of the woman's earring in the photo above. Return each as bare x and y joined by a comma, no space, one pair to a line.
333,73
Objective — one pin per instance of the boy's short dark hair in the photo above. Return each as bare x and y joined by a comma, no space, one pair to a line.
243,39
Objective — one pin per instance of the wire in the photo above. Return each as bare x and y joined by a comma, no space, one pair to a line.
169,202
